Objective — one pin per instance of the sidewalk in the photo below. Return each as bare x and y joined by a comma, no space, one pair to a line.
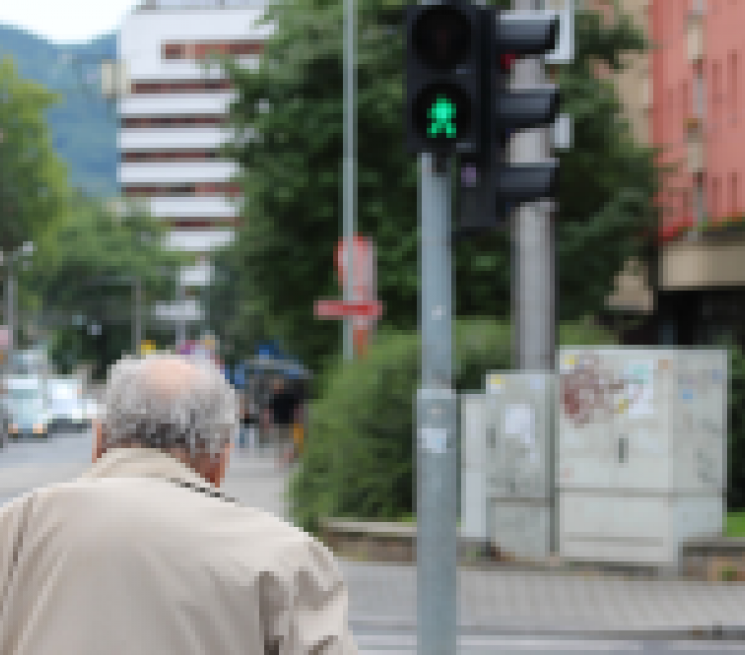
517,602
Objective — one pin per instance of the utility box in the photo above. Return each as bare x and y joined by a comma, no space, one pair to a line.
641,452
507,479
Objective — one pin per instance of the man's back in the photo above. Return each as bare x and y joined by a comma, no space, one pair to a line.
141,557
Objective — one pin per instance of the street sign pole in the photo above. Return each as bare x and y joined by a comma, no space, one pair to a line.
436,422
349,169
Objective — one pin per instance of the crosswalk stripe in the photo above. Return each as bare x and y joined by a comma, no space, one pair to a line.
706,646
410,641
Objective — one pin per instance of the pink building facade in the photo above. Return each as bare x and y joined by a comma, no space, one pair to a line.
699,108
698,121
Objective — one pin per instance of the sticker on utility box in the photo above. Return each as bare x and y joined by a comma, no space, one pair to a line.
434,440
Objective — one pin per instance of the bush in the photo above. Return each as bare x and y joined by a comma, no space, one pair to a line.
358,461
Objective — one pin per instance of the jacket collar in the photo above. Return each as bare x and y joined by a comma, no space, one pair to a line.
145,463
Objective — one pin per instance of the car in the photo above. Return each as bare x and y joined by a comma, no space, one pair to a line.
66,406
26,408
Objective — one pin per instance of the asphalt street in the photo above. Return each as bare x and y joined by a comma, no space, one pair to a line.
385,642
258,481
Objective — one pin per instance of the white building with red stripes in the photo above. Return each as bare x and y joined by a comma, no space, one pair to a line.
173,121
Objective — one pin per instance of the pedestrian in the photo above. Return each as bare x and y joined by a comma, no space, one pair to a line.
144,555
282,407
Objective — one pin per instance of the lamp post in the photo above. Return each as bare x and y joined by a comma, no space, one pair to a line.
26,250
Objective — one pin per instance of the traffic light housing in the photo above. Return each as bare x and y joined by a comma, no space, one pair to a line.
488,187
443,78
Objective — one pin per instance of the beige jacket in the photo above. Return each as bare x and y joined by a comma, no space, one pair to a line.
131,560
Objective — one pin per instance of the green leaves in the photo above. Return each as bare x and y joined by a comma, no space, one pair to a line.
89,258
294,218
33,181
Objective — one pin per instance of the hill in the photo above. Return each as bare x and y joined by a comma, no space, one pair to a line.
83,126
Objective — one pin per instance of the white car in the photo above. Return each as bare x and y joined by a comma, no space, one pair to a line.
26,407
65,405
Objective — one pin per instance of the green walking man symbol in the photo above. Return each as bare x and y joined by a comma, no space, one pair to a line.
441,115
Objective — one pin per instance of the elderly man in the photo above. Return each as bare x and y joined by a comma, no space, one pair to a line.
143,555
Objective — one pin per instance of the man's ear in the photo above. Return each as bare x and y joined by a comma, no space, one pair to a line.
98,448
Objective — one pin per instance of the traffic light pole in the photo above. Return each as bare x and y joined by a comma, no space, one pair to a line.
436,473
533,279
349,170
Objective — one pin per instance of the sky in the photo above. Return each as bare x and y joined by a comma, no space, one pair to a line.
65,21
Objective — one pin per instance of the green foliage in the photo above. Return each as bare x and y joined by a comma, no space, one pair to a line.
33,181
230,306
86,264
358,457
293,177
82,126
734,524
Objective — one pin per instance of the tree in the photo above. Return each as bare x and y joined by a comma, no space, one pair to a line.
293,173
238,321
33,181
86,266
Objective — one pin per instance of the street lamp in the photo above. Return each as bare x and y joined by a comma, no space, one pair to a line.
26,250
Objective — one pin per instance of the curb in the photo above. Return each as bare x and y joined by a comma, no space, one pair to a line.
712,632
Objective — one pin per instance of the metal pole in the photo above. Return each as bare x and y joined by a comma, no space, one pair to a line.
533,243
138,314
349,169
436,422
10,310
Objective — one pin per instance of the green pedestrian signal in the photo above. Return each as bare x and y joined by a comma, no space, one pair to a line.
443,77
442,116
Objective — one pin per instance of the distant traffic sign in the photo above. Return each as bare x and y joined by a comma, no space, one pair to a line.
341,309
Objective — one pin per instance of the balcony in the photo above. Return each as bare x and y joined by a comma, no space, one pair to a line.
695,36
703,263
695,152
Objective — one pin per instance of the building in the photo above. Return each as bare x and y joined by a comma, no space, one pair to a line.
699,121
173,121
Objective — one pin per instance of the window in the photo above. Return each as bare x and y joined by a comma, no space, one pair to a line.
174,121
733,199
202,50
716,93
183,155
670,112
699,200
699,95
733,86
180,87
223,188
173,51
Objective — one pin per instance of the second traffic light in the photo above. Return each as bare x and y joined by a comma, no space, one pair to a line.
443,78
489,187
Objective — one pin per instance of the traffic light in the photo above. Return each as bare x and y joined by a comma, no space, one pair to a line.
488,187
443,78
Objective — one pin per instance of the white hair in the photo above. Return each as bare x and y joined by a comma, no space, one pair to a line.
198,415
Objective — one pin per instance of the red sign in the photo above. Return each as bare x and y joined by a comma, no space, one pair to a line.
340,308
363,284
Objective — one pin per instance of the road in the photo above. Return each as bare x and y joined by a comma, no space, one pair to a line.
257,481
386,642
